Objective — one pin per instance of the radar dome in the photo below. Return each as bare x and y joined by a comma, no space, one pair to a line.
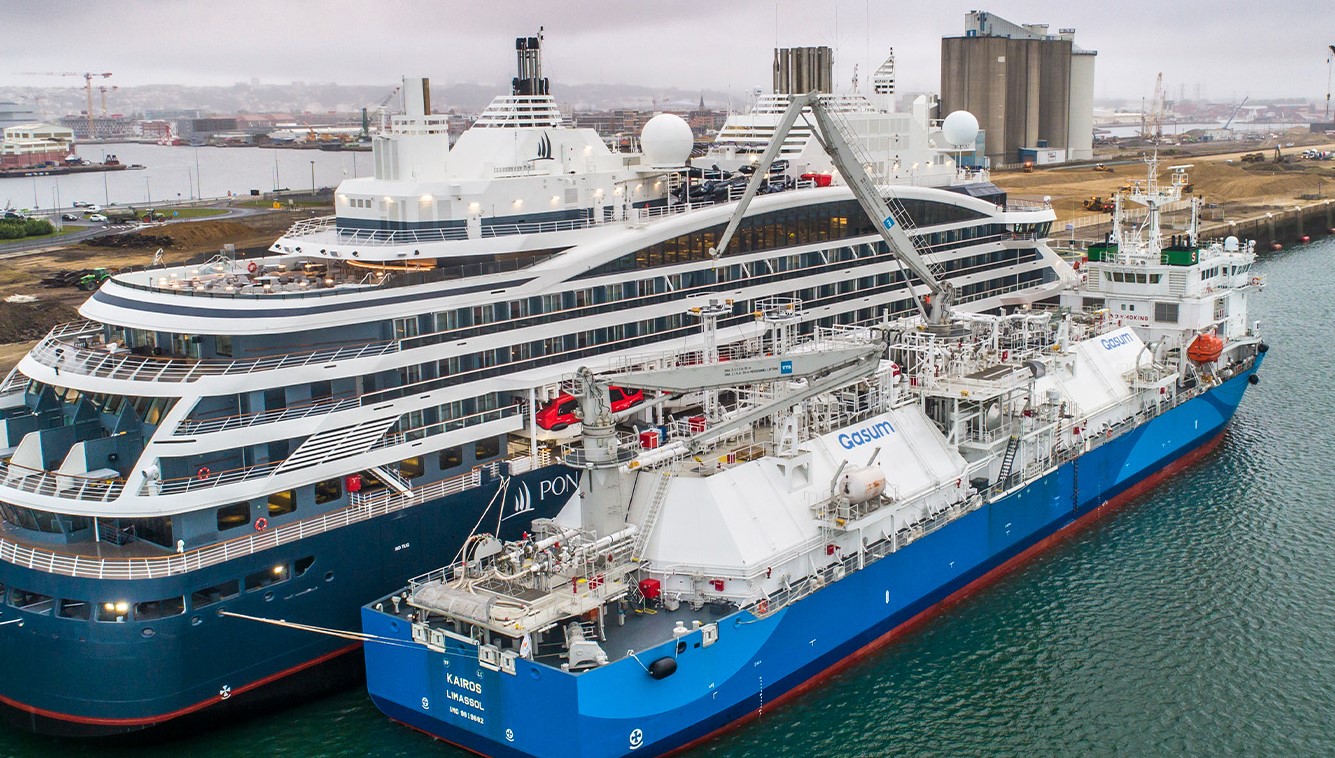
1231,244
666,141
960,128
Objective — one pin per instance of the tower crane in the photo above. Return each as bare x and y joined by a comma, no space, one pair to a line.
103,89
87,86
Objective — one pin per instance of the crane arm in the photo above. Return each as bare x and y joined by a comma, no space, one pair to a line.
868,195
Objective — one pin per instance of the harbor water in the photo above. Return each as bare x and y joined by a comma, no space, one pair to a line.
1198,619
182,173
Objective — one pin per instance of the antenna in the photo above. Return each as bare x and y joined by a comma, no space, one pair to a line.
1329,59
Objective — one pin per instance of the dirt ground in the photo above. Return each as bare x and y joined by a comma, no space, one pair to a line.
21,274
1241,188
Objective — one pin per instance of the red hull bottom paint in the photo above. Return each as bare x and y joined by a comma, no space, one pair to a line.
145,722
958,596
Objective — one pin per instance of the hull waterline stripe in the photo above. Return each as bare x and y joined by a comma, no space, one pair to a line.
147,721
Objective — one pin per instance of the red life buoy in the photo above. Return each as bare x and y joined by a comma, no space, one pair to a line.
203,473
762,607
261,524
252,267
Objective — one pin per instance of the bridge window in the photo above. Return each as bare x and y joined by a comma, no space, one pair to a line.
487,448
159,609
215,594
266,577
32,602
232,516
80,610
328,491
282,503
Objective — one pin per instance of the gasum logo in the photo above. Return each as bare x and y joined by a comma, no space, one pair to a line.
1112,343
636,739
866,434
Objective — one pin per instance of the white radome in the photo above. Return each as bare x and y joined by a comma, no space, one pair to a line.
666,141
960,128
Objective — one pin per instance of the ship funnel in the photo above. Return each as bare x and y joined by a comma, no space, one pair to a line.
416,96
798,70
528,51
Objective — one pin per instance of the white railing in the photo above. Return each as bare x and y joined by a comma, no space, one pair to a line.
363,508
70,357
53,484
324,226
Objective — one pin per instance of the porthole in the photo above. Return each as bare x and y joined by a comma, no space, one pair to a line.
147,632
195,621
268,596
329,576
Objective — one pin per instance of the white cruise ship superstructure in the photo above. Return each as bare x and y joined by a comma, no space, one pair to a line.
288,436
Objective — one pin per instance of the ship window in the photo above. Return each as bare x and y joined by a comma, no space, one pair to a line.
159,609
1166,313
215,594
232,516
267,577
222,345
81,610
282,503
486,448
451,457
114,611
33,602
411,468
328,491
302,565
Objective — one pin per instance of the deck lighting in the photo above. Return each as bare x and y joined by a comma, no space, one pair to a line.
278,570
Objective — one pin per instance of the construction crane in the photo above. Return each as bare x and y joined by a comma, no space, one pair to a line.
103,89
1235,111
382,114
87,86
1153,129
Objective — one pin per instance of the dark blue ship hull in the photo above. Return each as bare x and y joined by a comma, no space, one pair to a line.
619,709
77,677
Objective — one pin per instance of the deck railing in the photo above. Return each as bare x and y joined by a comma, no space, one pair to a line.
57,352
362,508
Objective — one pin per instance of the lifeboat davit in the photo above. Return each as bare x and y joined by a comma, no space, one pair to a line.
1206,348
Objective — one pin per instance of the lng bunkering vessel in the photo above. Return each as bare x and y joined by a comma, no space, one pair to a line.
830,490
286,437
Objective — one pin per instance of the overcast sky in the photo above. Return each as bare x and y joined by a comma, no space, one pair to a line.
1231,48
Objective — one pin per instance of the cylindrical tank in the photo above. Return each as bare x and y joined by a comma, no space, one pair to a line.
862,483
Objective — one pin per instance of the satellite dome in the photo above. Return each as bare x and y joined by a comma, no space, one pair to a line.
960,129
666,141
1231,244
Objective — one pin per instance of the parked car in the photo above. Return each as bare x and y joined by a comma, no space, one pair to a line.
90,208
79,204
97,218
69,217
560,413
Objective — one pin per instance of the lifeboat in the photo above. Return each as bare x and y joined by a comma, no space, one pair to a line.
1205,348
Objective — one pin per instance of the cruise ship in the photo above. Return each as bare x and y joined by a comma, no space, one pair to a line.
286,437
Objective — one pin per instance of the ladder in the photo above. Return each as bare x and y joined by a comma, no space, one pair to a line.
1008,460
651,516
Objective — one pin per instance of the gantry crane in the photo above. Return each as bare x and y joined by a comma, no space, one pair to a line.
87,85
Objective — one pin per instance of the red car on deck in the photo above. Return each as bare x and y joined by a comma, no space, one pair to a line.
560,413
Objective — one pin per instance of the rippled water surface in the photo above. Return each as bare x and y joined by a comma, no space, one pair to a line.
1199,619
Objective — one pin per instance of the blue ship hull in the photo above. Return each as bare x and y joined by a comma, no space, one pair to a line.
74,677
619,709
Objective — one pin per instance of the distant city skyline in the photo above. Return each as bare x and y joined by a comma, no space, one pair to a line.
1227,49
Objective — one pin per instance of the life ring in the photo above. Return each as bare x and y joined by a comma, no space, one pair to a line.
762,607
252,267
203,473
261,524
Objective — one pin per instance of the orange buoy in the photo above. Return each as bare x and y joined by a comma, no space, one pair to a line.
1206,348
1304,239
1276,246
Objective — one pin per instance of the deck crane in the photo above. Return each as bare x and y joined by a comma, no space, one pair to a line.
888,215
87,86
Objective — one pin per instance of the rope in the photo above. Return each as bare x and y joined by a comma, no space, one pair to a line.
341,634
